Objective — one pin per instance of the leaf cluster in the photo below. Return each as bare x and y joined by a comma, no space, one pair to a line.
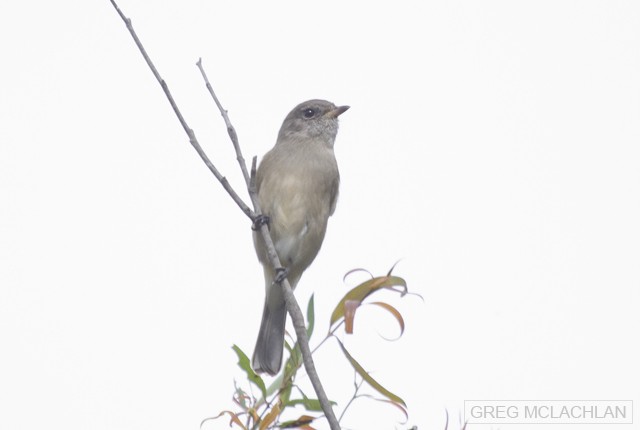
265,411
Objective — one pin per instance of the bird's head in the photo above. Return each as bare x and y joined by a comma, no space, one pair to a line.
313,119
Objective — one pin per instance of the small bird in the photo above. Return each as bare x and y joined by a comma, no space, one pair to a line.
297,183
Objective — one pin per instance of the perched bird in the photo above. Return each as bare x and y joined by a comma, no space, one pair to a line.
297,183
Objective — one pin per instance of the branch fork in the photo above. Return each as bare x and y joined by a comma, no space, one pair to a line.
255,215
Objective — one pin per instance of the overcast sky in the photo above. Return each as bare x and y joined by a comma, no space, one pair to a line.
493,147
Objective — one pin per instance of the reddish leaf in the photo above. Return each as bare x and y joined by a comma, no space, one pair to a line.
270,417
301,423
350,307
234,419
393,311
360,292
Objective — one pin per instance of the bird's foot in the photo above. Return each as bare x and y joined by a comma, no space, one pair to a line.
281,275
259,221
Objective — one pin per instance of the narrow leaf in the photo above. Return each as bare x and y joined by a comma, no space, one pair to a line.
350,307
310,316
240,397
270,417
392,403
393,267
245,364
344,278
301,422
234,419
393,311
309,404
365,375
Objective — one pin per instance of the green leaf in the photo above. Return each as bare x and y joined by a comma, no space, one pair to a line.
304,420
245,364
294,361
309,404
365,375
285,393
284,381
240,397
310,317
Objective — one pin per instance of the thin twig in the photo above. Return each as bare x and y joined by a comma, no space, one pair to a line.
292,306
330,334
230,128
192,137
355,396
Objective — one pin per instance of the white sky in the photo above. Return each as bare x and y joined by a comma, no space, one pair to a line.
492,147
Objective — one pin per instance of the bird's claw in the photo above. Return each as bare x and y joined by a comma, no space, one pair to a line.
281,274
259,221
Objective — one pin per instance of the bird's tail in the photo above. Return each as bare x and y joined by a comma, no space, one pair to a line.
267,356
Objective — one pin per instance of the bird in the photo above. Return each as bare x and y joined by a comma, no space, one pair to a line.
297,185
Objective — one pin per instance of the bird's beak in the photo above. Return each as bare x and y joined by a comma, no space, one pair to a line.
334,113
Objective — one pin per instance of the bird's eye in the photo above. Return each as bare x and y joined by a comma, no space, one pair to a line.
308,113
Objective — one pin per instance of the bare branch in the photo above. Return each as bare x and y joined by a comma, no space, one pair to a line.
292,305
230,128
355,394
192,137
